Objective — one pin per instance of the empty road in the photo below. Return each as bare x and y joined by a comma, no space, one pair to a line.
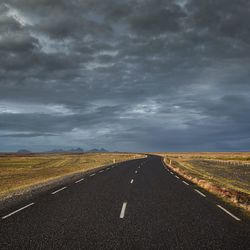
138,204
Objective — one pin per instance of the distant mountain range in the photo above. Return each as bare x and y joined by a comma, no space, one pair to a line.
72,150
23,151
96,150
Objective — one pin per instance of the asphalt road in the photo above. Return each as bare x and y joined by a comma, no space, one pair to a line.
133,205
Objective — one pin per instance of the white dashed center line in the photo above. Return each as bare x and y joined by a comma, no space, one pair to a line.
101,171
79,180
92,174
122,214
226,211
18,210
200,193
185,183
177,177
132,181
59,190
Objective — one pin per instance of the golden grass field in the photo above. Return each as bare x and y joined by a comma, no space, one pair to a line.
225,174
22,171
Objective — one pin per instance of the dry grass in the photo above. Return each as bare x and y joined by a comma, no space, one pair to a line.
224,174
22,171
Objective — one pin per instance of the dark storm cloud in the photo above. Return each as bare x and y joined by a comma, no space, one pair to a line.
126,75
21,43
226,18
156,17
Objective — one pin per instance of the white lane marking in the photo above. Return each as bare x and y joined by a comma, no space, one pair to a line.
101,171
185,183
18,210
58,190
177,177
235,217
136,172
171,173
122,214
132,181
92,174
199,192
79,180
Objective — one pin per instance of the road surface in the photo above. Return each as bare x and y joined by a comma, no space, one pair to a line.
138,204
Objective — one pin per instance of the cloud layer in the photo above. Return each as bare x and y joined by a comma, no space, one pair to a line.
143,75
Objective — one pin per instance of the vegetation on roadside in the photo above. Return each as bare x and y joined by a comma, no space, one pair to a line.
22,171
224,174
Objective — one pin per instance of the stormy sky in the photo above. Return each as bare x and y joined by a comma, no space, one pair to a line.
129,75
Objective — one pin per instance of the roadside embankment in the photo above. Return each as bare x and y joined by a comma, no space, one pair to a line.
24,176
228,180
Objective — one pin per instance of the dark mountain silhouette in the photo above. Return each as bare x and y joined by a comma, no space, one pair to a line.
72,150
96,150
23,151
